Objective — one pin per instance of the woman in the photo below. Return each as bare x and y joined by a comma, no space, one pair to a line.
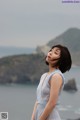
51,83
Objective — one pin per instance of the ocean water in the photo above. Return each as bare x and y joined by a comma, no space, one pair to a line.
18,100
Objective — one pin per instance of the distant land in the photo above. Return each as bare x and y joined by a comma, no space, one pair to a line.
9,51
28,68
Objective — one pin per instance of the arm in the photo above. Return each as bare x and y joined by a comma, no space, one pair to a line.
34,109
55,85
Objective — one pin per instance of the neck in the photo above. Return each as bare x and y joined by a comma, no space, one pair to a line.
51,69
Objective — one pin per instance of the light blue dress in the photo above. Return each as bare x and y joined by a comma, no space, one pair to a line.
43,93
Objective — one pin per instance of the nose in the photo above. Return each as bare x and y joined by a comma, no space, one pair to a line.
50,52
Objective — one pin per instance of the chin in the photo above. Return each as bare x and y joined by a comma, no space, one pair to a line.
47,62
47,59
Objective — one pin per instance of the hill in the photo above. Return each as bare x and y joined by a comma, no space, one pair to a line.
22,69
71,39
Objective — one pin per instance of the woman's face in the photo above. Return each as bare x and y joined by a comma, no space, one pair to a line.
53,55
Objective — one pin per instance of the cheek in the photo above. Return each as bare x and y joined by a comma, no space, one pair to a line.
55,56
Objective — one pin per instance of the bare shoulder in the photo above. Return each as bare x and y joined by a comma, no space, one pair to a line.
56,78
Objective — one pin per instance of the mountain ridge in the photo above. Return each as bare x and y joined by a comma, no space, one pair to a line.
66,38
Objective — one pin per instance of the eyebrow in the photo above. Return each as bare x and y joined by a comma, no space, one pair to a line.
56,48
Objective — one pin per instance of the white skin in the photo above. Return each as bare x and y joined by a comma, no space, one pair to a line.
55,85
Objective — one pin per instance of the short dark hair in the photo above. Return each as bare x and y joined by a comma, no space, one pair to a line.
64,63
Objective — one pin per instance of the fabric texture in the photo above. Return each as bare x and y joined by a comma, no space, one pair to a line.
43,92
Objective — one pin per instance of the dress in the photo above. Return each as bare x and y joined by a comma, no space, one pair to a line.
43,92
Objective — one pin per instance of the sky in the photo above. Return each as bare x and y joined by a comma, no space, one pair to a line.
32,23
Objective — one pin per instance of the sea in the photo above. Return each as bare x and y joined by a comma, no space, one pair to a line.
18,100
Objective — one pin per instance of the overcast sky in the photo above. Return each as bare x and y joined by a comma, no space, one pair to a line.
29,23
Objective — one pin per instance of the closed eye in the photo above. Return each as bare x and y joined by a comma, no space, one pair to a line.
56,53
